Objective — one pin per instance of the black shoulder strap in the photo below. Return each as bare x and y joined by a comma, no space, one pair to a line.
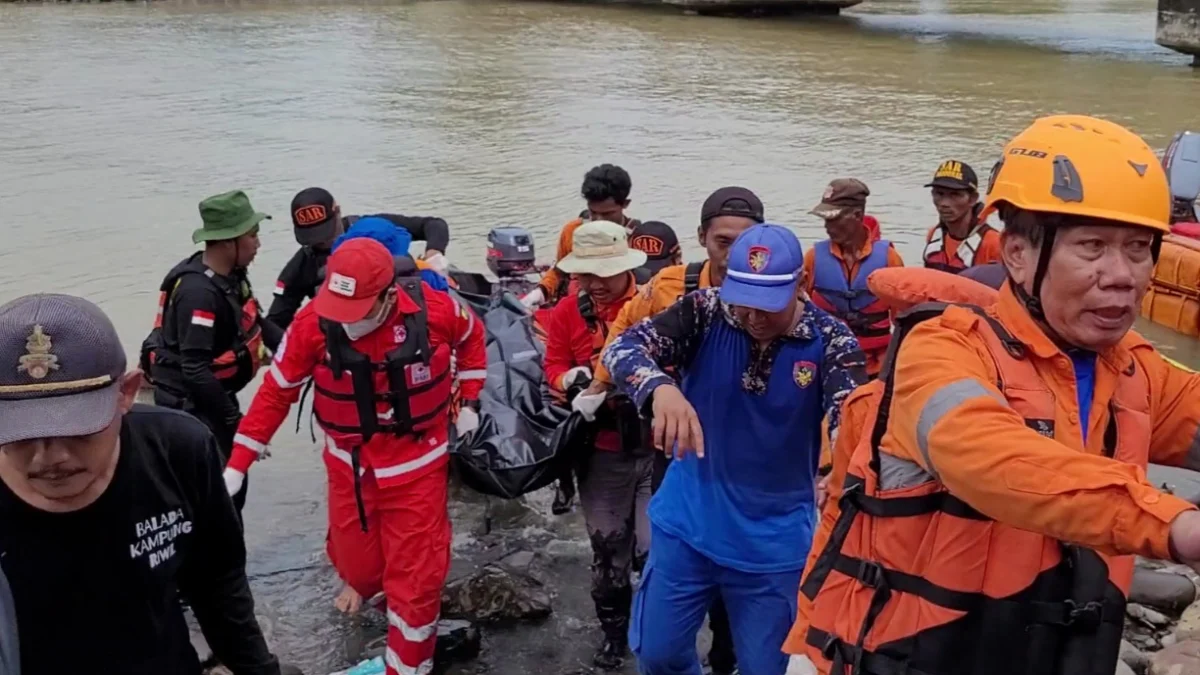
587,309
417,325
641,275
691,277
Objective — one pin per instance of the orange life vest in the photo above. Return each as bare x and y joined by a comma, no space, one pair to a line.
406,393
935,249
913,581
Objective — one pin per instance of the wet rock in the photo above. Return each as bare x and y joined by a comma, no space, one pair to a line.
1178,659
1162,590
1123,669
1168,640
1133,656
519,561
1189,624
1143,642
496,593
1147,616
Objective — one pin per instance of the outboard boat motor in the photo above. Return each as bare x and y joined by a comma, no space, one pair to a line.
510,252
1181,161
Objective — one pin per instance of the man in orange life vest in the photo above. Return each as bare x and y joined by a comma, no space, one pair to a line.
614,476
988,521
378,349
836,270
959,240
209,335
606,190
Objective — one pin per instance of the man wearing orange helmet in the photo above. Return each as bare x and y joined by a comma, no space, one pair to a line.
989,518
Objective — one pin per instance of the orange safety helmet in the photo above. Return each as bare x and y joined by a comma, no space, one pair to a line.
1077,165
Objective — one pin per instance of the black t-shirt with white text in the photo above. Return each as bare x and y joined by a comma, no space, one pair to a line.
97,590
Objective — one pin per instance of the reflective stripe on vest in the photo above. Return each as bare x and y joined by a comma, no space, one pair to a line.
913,580
853,302
935,249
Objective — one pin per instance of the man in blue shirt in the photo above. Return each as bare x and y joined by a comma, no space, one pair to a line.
734,516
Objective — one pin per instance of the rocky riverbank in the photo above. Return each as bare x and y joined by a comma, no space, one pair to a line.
1162,625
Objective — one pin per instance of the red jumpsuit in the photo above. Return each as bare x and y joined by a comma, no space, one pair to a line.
405,550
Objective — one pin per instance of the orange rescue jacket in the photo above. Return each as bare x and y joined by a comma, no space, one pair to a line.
946,552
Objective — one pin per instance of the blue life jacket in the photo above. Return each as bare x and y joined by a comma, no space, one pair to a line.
852,301
748,504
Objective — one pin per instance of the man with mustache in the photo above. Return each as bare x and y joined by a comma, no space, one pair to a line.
759,369
990,514
959,240
110,511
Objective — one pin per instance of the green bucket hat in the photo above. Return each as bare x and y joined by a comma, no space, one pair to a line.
227,216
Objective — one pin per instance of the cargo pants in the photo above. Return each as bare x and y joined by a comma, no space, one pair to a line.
614,492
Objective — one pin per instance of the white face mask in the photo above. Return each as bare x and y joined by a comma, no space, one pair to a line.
362,328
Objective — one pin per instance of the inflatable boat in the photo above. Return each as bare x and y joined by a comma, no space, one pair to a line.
1173,300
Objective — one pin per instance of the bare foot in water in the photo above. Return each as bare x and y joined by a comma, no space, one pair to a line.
348,601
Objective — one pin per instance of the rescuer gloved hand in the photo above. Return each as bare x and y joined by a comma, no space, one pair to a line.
234,480
572,378
533,298
587,404
468,421
437,262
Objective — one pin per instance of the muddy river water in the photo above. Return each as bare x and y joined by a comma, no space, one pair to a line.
115,120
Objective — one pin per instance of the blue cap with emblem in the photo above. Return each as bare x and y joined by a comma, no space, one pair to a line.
764,267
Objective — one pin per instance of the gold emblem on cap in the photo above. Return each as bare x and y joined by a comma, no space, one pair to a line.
39,361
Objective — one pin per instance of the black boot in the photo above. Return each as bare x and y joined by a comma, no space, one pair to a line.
611,654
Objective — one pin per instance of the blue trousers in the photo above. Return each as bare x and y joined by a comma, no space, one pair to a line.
679,584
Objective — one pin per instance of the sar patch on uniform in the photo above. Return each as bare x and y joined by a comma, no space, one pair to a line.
1043,427
758,257
803,373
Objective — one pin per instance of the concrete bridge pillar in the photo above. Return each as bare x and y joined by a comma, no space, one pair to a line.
1179,27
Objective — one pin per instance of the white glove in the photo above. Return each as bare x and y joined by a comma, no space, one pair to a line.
438,263
533,298
568,377
588,404
468,421
800,665
234,480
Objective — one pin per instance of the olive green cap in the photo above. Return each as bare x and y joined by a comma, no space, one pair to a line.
227,216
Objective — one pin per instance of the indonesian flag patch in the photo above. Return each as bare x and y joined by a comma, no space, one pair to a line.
279,287
203,318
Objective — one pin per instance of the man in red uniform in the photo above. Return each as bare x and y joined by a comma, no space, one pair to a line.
616,471
378,350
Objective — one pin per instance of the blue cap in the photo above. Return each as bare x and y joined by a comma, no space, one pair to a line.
395,239
764,266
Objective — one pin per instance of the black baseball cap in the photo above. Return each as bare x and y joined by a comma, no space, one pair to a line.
732,201
954,175
314,216
658,241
